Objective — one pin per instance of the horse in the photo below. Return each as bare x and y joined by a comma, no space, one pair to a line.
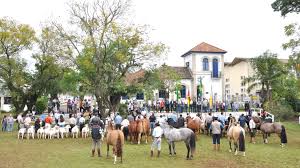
30,132
193,124
268,128
143,128
133,131
236,134
85,131
182,134
115,138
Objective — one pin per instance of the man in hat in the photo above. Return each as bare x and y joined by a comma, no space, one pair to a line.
96,124
157,133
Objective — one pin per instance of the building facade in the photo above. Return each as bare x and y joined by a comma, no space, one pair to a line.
206,63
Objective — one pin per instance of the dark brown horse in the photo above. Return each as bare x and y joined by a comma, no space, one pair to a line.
268,128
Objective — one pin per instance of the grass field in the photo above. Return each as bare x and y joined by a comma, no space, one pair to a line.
75,153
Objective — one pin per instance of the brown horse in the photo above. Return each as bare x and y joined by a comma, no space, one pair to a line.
236,134
115,138
143,128
193,124
133,131
268,128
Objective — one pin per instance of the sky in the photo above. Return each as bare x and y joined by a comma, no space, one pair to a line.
244,28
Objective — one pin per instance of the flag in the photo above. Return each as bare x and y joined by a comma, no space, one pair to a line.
188,98
200,88
177,94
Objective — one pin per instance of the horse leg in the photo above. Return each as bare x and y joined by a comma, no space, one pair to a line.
188,150
235,148
139,137
115,154
230,148
173,144
170,149
107,150
146,137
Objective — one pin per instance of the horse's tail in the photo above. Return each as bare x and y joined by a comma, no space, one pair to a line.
119,145
283,136
242,142
193,142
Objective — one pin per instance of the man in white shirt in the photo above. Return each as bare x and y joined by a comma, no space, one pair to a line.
20,120
27,122
157,133
72,121
81,122
124,127
252,126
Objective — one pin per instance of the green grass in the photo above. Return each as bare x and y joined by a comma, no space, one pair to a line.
75,153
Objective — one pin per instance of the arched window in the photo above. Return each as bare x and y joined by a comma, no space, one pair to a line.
215,68
205,64
183,91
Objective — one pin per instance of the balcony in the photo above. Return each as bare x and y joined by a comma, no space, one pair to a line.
216,75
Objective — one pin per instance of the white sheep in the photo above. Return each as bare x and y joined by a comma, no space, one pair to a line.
85,131
30,132
40,133
75,131
21,132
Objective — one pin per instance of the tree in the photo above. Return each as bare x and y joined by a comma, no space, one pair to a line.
286,6
14,39
106,48
267,72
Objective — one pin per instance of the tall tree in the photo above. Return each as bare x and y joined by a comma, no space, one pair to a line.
267,72
286,6
14,39
107,48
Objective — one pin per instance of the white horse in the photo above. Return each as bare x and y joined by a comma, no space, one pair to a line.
85,131
21,132
40,133
30,132
75,131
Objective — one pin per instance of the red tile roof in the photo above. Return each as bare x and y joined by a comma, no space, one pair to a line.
204,48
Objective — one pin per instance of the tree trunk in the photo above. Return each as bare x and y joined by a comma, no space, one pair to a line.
114,102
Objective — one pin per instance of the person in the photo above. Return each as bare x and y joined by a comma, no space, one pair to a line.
4,123
118,121
50,106
208,121
205,105
130,117
27,121
124,127
216,128
19,120
157,133
180,121
81,122
37,124
152,120
252,127
56,116
96,125
48,119
242,120
72,121
61,122
222,119
10,123
160,120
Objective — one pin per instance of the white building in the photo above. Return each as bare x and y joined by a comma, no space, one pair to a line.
5,102
206,63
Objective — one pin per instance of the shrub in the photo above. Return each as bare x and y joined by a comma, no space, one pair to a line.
281,110
41,105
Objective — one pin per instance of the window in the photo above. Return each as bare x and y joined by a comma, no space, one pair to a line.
162,94
205,64
183,91
215,68
7,100
242,83
187,64
125,97
140,96
227,79
242,90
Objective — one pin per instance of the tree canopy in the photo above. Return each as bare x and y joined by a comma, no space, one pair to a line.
286,6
